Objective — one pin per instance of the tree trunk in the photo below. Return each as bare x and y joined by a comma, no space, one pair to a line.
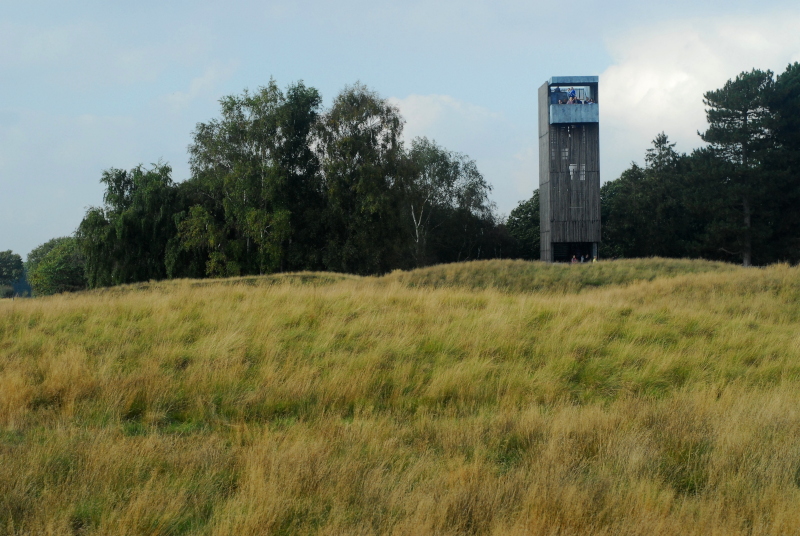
747,245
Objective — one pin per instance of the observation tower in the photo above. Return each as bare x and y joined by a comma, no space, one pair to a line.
569,168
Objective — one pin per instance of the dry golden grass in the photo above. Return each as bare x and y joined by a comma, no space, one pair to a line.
408,404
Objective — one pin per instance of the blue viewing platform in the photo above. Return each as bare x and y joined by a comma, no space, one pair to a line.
574,113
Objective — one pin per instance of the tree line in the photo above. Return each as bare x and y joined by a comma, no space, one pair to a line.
737,199
278,183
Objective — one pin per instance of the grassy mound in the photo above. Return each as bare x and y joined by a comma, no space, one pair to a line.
292,278
526,276
366,406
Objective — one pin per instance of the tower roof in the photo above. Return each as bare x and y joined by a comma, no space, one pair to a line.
563,80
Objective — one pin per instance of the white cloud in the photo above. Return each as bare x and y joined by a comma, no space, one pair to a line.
660,73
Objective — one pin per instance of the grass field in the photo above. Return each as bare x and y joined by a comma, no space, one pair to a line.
503,397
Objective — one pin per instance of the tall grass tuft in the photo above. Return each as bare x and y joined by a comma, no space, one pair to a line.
627,397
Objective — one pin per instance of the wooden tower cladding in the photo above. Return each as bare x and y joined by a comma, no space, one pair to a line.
569,168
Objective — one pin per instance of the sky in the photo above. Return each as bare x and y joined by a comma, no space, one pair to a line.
90,85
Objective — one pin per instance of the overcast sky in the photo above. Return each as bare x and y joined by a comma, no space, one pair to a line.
88,85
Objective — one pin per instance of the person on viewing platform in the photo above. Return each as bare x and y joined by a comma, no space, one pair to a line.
571,93
572,101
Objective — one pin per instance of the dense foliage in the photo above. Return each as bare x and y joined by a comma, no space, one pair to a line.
280,184
126,239
523,227
56,266
11,269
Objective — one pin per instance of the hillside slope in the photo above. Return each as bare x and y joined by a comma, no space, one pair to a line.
510,276
525,276
320,404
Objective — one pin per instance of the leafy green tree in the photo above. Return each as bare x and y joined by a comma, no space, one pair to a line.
126,239
443,185
739,133
365,177
39,252
470,235
11,267
200,232
524,226
258,189
60,269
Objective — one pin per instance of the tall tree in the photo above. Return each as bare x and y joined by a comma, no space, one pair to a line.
260,197
443,185
126,239
39,252
11,267
783,164
60,269
739,120
363,165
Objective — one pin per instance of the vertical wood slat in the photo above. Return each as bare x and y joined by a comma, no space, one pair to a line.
574,205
